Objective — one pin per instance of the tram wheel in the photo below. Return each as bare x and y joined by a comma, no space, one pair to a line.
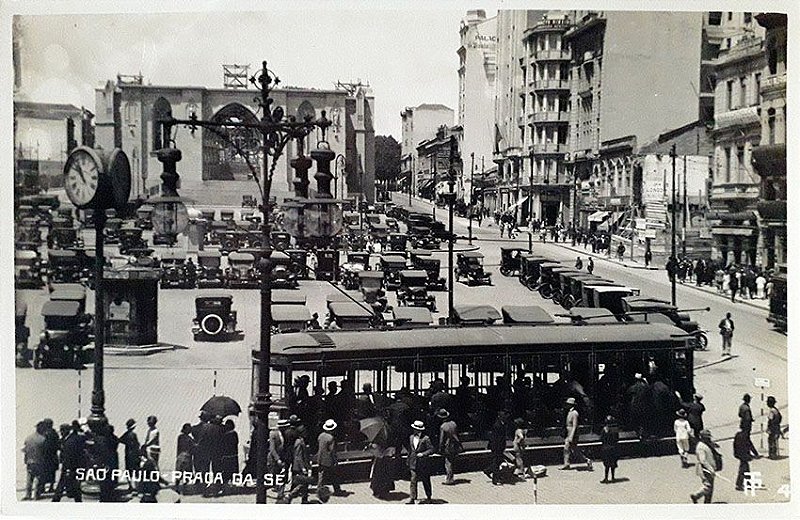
568,302
546,291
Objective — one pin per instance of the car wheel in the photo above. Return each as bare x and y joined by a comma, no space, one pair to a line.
505,272
702,341
212,324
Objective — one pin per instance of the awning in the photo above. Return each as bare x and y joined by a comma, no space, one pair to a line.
518,203
598,216
425,184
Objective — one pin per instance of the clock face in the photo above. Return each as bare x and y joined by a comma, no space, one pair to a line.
82,175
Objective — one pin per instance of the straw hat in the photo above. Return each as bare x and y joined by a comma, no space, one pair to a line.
418,425
442,413
681,413
329,425
570,400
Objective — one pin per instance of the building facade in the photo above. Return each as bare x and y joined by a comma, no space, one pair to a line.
546,114
44,134
435,163
606,47
737,129
477,74
212,171
769,157
418,124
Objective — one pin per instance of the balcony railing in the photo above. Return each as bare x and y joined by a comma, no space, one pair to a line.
550,116
551,54
543,148
772,83
730,191
551,84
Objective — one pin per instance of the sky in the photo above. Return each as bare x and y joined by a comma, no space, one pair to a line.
407,56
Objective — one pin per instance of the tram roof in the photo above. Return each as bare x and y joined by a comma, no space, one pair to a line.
417,340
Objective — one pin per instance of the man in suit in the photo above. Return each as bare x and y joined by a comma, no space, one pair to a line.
745,414
300,466
449,443
744,452
73,456
497,445
571,438
706,468
420,448
726,328
326,458
34,450
368,404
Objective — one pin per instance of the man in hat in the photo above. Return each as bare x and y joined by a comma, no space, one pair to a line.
73,456
449,443
683,432
744,452
152,438
202,451
745,414
300,466
34,450
130,440
51,445
420,448
726,329
694,414
774,432
497,446
275,461
706,467
571,440
326,458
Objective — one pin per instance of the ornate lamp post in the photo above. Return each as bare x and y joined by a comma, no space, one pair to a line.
276,131
451,197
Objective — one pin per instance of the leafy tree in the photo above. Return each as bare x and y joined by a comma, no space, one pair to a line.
387,158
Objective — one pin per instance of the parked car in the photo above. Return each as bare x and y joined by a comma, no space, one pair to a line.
241,272
391,265
282,274
66,332
209,272
176,273
130,239
469,265
63,265
28,272
356,261
144,217
510,260
371,286
214,318
422,259
290,318
412,291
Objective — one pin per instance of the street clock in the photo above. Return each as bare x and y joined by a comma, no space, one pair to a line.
96,180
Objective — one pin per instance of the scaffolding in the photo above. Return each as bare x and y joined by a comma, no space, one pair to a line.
235,76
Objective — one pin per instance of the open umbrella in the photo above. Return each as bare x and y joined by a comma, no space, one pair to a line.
221,405
372,427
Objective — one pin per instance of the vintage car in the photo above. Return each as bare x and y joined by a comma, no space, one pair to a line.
350,218
411,317
111,231
299,258
393,226
176,273
164,239
370,283
66,332
232,240
86,259
248,201
280,240
208,214
27,234
422,259
62,235
475,315
607,297
349,315
241,272
28,273
226,215
510,260
379,232
209,272
642,308
21,334
356,238
391,265
67,214
288,297
130,238
529,270
356,262
282,275
591,315
144,217
215,231
290,318
413,292
469,265
572,287
422,238
327,265
214,319
63,265
525,315
559,281
546,282
397,241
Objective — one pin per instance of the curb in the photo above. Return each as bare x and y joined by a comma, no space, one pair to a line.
742,301
606,258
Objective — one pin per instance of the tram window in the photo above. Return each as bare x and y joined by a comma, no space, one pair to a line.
365,376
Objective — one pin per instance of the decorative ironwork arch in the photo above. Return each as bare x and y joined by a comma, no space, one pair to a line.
223,160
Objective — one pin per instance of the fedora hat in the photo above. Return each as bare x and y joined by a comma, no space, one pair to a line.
130,423
329,425
294,420
570,400
705,433
418,425
283,423
442,413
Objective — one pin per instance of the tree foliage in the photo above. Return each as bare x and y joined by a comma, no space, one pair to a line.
387,158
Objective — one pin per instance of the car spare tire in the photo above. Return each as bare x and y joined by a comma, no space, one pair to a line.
212,324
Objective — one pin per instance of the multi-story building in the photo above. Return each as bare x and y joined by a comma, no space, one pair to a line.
737,129
545,67
510,101
721,31
477,56
435,165
626,83
213,171
769,157
419,123
44,134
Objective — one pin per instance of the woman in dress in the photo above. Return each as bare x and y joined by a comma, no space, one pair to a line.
383,470
230,452
609,438
183,462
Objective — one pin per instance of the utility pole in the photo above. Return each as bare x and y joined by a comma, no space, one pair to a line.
530,209
673,258
410,180
483,182
451,180
433,186
685,208
471,192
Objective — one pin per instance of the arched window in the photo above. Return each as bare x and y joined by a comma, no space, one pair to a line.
223,160
161,110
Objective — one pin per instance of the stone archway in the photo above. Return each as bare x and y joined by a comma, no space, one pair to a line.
224,161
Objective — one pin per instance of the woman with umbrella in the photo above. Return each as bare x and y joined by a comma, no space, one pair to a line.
230,452
383,463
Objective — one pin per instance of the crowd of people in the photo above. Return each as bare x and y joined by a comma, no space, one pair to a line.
733,280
